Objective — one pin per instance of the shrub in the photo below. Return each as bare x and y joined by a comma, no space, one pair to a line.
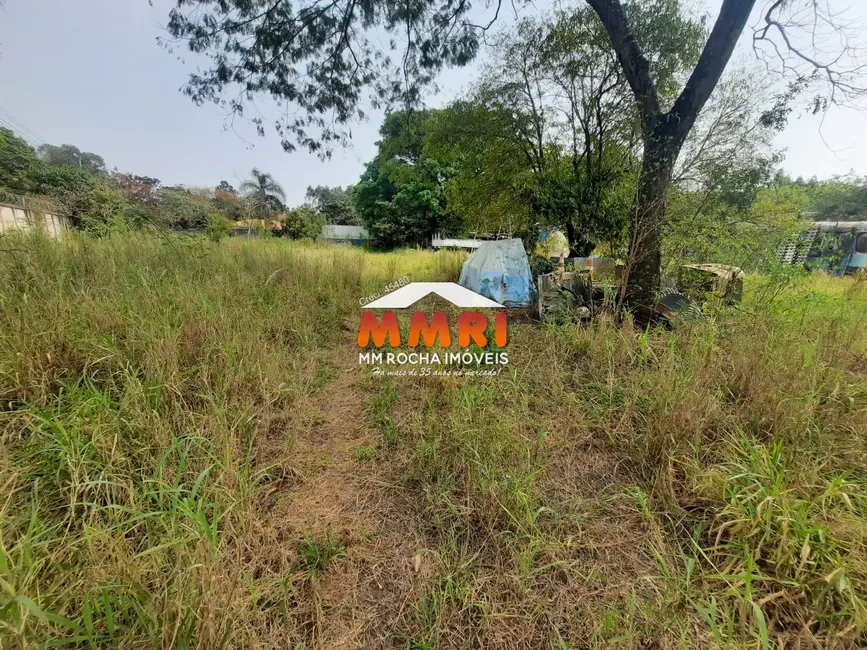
217,226
179,208
302,222
91,203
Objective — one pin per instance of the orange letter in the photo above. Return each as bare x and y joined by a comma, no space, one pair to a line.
472,325
500,329
439,325
369,327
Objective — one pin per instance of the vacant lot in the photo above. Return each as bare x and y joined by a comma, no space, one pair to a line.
192,458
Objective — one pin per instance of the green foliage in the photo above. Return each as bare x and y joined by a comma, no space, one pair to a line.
71,156
225,186
840,198
400,197
335,204
732,223
302,222
325,61
492,176
17,160
669,35
139,216
592,211
90,200
179,208
218,226
548,137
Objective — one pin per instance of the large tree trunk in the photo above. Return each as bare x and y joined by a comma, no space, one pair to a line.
641,279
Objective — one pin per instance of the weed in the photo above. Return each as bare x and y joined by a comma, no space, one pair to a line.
316,555
364,453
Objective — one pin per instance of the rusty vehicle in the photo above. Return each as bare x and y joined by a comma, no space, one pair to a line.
723,281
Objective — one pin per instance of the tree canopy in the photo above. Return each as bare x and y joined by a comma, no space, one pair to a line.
71,156
400,197
17,159
334,204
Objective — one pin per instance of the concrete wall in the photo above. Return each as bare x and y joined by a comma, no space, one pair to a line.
16,217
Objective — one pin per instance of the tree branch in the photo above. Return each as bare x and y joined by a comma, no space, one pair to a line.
841,70
635,66
717,51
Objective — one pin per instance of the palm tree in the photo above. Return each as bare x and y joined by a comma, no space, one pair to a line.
265,192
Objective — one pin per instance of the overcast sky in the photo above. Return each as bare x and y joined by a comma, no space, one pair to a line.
89,73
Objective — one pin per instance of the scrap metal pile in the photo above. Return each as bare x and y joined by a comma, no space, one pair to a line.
500,271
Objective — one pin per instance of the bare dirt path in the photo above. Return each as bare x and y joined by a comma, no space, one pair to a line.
337,490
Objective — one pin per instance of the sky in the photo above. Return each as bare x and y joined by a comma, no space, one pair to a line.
89,73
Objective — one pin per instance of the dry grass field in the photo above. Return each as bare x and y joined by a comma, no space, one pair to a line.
192,457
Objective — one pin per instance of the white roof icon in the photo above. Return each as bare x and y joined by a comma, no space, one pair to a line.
415,291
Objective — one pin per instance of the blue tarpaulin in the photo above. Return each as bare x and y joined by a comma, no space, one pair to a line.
499,270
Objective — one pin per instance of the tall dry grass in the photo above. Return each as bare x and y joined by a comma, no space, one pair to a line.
705,487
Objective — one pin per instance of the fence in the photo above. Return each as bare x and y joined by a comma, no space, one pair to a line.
23,213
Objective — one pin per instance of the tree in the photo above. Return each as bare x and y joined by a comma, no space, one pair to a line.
842,198
549,135
492,178
17,160
325,60
181,209
225,186
138,189
265,193
738,216
665,131
573,112
71,156
230,204
400,197
335,204
303,222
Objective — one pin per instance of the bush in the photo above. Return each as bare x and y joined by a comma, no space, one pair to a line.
217,226
91,203
302,222
181,209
